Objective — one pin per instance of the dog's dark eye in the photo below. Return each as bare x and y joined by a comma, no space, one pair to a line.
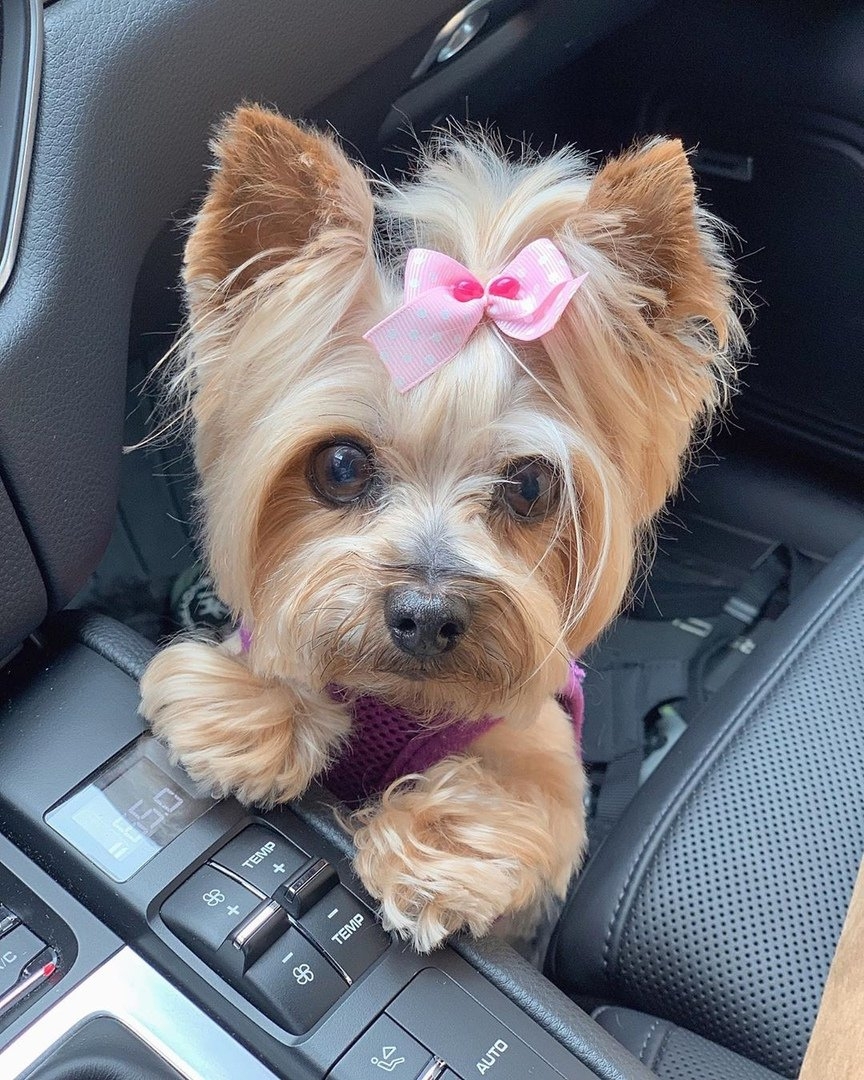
530,488
341,472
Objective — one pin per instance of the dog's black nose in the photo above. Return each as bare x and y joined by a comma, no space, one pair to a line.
425,624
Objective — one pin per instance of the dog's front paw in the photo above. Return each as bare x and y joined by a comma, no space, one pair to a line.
448,855
464,895
233,732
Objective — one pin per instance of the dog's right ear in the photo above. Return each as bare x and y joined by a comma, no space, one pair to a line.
276,188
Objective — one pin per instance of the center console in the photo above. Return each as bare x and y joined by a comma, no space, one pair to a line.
146,927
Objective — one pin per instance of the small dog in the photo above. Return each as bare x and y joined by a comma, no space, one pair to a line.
432,428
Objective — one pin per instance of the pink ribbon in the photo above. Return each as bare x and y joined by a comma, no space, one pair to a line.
444,303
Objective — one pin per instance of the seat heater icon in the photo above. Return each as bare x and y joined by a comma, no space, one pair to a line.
388,1060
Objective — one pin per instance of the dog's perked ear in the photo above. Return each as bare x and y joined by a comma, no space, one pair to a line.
276,188
647,351
652,229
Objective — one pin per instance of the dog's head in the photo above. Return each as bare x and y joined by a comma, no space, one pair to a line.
450,547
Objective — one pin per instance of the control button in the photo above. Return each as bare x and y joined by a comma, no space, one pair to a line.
264,926
384,1050
261,856
8,919
31,980
457,1028
206,908
308,887
293,983
437,1070
17,949
346,931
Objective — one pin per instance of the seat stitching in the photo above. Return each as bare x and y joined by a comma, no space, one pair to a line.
656,1023
662,1048
696,779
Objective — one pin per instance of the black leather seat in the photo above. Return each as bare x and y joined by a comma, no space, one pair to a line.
705,925
674,1052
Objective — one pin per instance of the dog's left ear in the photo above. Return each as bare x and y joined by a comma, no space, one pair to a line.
646,200
276,188
657,342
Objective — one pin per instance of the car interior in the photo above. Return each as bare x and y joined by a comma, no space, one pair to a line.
147,931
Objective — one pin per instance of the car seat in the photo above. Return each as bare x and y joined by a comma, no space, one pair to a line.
702,930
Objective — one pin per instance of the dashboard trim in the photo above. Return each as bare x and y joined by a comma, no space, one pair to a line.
128,989
30,109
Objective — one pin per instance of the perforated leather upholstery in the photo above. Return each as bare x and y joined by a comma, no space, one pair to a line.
674,1053
718,901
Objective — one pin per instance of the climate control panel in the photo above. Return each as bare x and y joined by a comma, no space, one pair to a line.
434,1030
277,924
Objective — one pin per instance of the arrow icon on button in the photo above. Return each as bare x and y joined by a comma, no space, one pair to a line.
387,1062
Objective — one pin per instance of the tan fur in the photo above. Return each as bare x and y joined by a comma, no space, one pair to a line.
263,742
283,281
276,187
492,833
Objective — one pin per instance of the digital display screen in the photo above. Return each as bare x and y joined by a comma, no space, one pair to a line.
136,805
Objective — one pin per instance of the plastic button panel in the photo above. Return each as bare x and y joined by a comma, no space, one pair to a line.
460,1031
293,983
206,908
293,960
346,931
26,962
262,857
383,1050
17,949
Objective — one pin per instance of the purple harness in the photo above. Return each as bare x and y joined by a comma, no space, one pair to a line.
387,742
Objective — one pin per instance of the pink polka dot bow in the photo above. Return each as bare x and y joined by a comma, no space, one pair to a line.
444,303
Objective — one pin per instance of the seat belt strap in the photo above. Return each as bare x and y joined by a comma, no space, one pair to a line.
620,784
740,612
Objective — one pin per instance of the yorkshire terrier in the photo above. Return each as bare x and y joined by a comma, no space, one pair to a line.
432,424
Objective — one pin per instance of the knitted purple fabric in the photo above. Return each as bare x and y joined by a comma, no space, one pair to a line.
387,742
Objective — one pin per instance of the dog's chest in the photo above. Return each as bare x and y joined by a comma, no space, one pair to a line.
387,742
